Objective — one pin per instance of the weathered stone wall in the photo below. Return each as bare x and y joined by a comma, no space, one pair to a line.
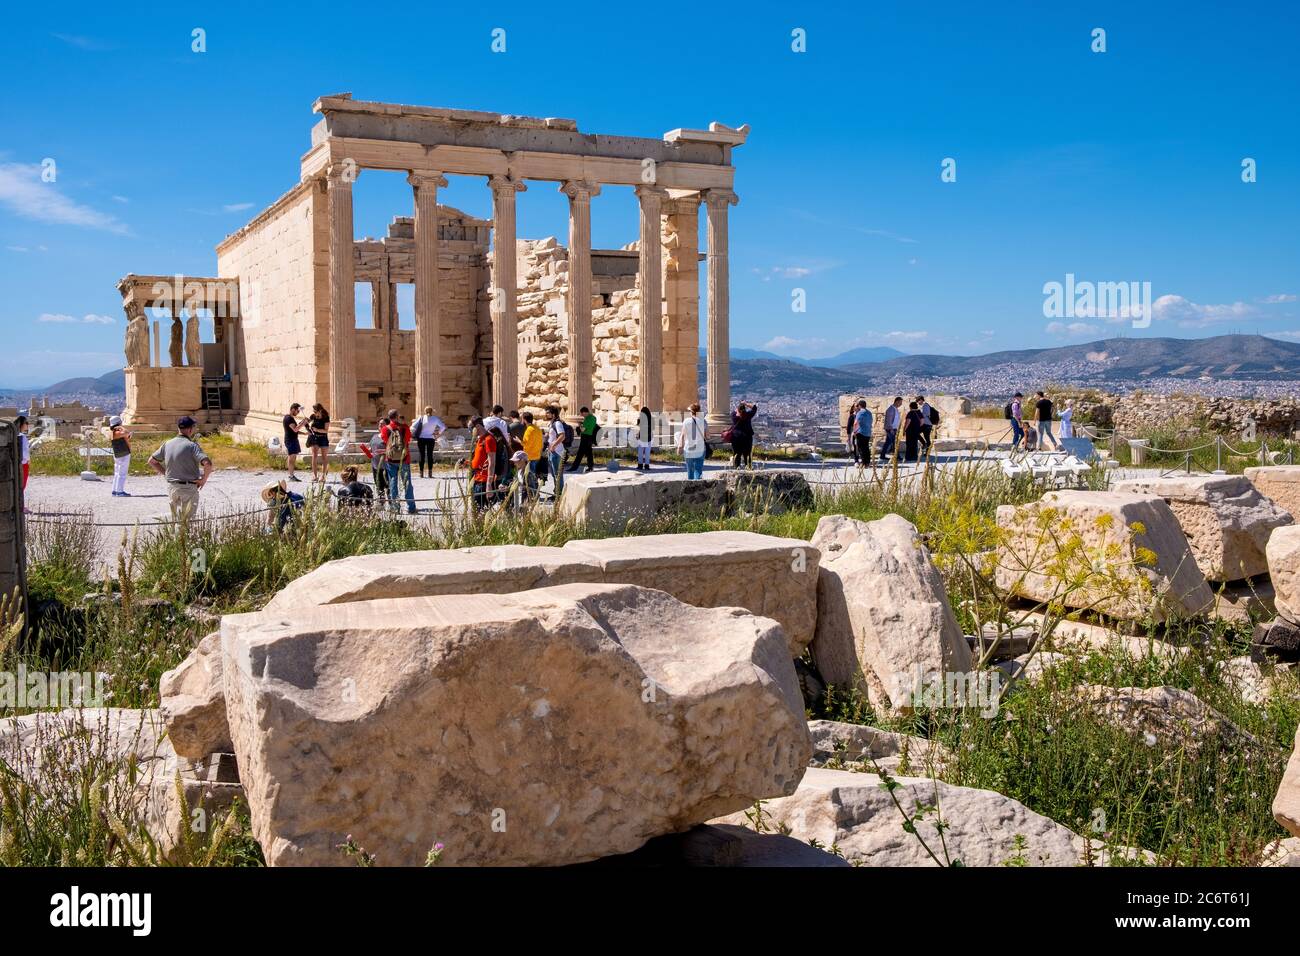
616,314
544,333
386,354
281,259
1140,413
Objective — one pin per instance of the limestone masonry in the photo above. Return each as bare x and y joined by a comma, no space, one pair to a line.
614,329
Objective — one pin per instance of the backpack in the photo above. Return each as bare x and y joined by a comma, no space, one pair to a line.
395,446
568,434
418,429
934,415
1006,412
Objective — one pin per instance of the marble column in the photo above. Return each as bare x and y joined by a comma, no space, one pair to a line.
578,305
428,328
228,324
718,361
342,351
505,292
650,374
681,302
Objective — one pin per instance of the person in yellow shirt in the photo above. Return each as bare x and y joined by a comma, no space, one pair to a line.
533,440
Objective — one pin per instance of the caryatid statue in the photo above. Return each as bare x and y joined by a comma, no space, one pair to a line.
137,340
193,350
175,346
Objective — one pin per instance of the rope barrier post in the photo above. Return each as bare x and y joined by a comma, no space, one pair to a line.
1218,453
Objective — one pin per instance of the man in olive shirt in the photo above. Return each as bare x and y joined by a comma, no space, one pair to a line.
185,466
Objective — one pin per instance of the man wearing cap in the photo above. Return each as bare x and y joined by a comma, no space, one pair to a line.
121,439
186,467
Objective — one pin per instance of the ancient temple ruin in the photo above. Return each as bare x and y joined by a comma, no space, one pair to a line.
573,326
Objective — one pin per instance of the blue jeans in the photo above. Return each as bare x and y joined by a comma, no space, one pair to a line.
1045,431
401,473
1017,433
891,439
694,468
557,471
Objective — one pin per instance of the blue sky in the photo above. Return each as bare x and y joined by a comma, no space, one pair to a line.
1114,167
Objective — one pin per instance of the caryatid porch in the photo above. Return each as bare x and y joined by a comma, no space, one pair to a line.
672,177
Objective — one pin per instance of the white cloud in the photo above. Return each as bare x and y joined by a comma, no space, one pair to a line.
237,207
27,196
63,319
782,272
783,344
1278,299
17,248
82,42
1073,330
1193,315
909,336
121,199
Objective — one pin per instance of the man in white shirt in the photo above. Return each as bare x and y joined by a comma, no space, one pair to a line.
691,441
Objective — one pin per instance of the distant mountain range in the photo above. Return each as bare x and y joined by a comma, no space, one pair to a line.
1240,357
1243,357
1218,357
110,383
853,356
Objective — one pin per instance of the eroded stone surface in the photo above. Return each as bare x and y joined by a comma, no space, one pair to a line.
883,619
1283,553
834,740
1102,569
1286,805
615,498
193,702
774,577
1163,715
1226,520
1281,483
550,726
852,812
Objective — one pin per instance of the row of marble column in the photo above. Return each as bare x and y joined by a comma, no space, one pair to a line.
505,320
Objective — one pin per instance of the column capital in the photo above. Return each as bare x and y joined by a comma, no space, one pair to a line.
580,190
504,185
426,177
650,193
342,172
683,205
720,197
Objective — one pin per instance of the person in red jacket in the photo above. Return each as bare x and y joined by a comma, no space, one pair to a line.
482,464
396,436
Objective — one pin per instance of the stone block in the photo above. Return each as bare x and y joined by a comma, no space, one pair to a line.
1226,520
1122,555
1281,483
538,728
